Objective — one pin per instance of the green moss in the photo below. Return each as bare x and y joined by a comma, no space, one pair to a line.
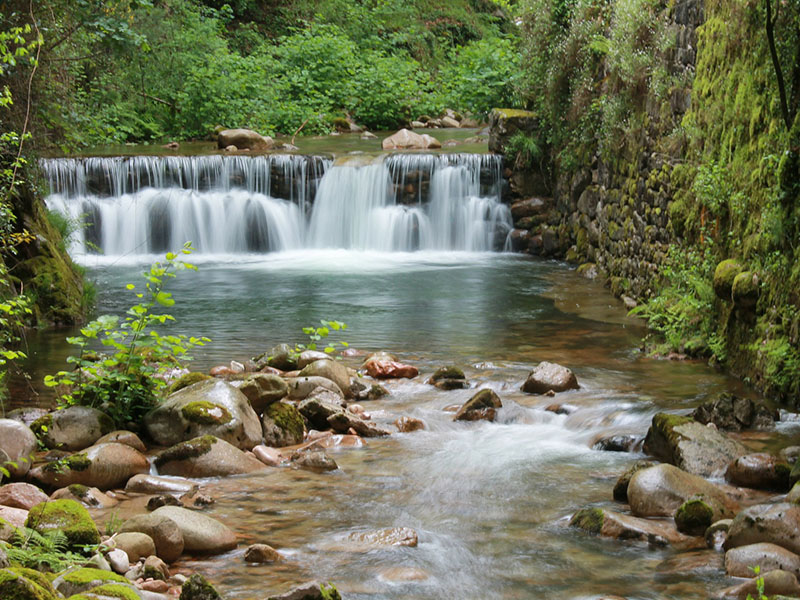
187,380
693,517
17,583
745,290
197,588
588,519
329,592
449,372
340,123
123,592
67,516
75,462
88,575
42,425
514,113
151,572
287,417
78,490
204,412
724,275
187,450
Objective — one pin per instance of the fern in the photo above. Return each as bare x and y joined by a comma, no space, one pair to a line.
42,551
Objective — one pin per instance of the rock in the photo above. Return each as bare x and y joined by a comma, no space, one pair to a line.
17,583
775,523
617,443
200,532
690,445
745,290
198,588
91,497
73,428
244,139
530,207
19,444
122,436
13,517
314,460
481,407
550,376
760,471
404,140
67,516
620,492
417,125
155,568
206,456
332,370
363,541
21,495
262,389
282,356
262,553
448,378
789,454
430,142
302,387
309,356
794,494
775,583
119,561
162,500
739,562
153,484
319,406
724,275
135,544
716,535
345,421
283,425
77,581
732,413
368,136
104,466
309,591
694,517
163,531
658,492
188,379
409,424
614,525
387,369
449,122
269,456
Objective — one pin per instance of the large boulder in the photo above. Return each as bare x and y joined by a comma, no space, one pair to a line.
17,583
774,523
620,491
547,377
760,471
481,407
103,466
690,445
21,495
19,444
205,408
206,456
85,579
66,516
739,562
733,413
164,532
660,490
200,532
332,370
283,425
262,389
408,140
608,523
244,139
74,428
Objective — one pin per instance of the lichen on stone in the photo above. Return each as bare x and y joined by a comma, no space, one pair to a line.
204,412
75,462
187,450
588,519
68,516
197,588
187,380
114,590
694,516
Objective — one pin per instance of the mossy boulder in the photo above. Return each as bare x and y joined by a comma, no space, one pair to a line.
17,583
309,591
694,516
114,590
745,290
262,389
283,425
198,588
448,378
206,408
481,407
85,579
103,466
724,275
206,456
67,516
761,471
608,523
73,428
187,380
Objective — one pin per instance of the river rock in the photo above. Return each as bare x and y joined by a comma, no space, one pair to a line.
310,591
103,466
363,541
409,424
21,495
282,356
614,525
332,370
19,444
739,562
448,378
548,377
716,535
262,389
315,460
404,140
271,457
15,517
760,471
119,560
135,544
244,139
319,406
163,531
73,428
301,388
206,456
776,583
261,553
309,356
200,532
67,516
153,484
733,413
91,497
789,454
774,523
620,491
449,122
389,369
205,408
344,421
660,490
122,436
25,584
617,443
283,425
430,142
690,445
481,407
694,517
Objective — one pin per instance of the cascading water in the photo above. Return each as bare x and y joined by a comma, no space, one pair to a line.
236,204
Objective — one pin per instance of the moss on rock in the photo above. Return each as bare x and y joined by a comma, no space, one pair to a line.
724,275
186,450
745,290
187,380
75,462
198,588
17,583
588,519
67,516
115,590
694,516
204,412
78,490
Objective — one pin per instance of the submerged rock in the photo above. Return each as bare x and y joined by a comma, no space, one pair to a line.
548,377
481,407
363,541
409,424
262,553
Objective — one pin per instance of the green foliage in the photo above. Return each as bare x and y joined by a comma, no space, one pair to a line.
760,595
317,334
127,381
48,551
526,149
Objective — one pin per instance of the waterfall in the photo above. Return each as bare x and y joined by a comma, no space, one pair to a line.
235,204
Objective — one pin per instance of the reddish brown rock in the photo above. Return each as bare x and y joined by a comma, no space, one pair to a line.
21,495
386,369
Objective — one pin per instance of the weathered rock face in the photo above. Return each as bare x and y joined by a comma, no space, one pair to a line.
74,428
19,444
206,456
244,139
739,562
548,377
732,413
774,523
164,532
21,495
67,516
660,490
481,407
690,445
614,525
283,425
200,533
206,408
103,466
332,370
262,389
760,471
